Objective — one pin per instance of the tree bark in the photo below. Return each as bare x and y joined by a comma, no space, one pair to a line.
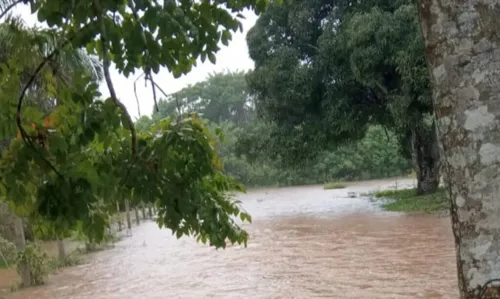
127,211
20,243
462,44
137,220
150,211
61,251
425,156
119,216
143,208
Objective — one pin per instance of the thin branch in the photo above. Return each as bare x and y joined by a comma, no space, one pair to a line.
135,93
9,7
112,93
148,70
153,86
158,86
166,95
109,82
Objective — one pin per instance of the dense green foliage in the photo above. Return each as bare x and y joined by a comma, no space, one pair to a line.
224,102
70,163
326,71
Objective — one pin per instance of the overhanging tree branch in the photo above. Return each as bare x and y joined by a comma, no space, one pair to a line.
147,71
109,82
20,101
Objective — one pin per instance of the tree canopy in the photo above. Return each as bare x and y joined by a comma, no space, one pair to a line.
224,102
326,71
221,97
69,163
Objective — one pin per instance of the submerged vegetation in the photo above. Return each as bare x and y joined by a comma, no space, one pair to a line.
408,200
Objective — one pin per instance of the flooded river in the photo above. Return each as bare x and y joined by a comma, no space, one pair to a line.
305,243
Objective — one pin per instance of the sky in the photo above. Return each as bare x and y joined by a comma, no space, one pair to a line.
233,57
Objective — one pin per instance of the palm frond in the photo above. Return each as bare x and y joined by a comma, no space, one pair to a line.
7,5
31,46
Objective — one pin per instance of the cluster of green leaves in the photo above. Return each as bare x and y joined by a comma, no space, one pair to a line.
146,34
86,161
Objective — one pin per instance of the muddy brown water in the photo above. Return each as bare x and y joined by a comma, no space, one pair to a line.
305,243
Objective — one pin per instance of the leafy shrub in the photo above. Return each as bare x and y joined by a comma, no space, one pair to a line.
8,253
37,262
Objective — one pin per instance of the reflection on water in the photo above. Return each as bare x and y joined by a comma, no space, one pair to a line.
305,243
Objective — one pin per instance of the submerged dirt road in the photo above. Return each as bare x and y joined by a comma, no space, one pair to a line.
305,243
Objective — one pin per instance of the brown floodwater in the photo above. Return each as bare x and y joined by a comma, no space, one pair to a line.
305,242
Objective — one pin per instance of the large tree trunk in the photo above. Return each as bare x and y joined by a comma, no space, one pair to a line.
425,156
462,40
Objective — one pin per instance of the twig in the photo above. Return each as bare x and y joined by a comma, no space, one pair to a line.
153,86
166,95
135,93
158,86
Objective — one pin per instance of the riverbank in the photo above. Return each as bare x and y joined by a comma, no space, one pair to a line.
407,200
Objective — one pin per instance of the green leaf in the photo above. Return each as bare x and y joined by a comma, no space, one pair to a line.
226,37
211,57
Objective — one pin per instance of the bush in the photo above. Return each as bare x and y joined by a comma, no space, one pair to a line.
37,262
8,253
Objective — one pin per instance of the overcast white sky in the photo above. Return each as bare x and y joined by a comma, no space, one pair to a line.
233,57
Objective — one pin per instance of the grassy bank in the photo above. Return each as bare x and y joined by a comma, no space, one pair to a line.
408,201
334,185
